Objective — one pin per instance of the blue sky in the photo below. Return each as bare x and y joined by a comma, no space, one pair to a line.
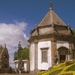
32,11
18,17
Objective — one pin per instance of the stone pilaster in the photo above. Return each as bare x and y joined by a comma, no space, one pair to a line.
36,56
53,49
58,56
70,49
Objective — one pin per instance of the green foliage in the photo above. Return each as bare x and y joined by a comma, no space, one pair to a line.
16,56
23,54
19,50
72,68
55,72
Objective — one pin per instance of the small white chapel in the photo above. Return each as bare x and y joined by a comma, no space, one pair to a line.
51,42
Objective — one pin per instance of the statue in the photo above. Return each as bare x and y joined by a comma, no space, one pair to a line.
20,63
55,59
20,66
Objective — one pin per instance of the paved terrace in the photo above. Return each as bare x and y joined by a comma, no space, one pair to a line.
17,74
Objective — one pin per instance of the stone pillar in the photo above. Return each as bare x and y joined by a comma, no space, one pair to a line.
0,63
58,56
53,49
66,57
36,56
70,49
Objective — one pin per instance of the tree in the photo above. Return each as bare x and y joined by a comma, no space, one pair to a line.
16,56
24,54
19,50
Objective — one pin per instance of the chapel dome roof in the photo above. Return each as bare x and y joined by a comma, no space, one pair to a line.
51,17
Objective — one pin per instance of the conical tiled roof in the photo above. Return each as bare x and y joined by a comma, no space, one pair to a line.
51,17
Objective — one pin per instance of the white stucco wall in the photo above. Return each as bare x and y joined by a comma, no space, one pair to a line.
44,65
62,44
32,57
16,65
25,67
25,64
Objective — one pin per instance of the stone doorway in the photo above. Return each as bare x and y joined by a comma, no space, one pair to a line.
63,52
62,58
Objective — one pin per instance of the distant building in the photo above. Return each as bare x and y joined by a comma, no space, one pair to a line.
21,65
4,60
25,65
51,42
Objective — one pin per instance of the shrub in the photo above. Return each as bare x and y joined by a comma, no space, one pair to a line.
66,68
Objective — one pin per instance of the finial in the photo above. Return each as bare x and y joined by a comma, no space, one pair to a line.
0,46
68,26
5,45
19,45
19,42
30,32
51,5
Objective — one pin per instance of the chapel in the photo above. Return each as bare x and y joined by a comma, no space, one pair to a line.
51,42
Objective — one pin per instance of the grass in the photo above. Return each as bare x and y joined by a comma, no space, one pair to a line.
72,68
55,72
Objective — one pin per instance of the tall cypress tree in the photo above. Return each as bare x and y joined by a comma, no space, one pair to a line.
19,55
19,50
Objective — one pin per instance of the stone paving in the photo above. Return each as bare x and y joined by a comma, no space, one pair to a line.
17,74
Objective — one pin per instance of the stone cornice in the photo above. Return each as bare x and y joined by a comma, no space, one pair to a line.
69,38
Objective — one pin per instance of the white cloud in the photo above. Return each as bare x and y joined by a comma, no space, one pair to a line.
11,34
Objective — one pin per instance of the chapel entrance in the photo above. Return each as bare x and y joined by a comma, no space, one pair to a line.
63,52
62,58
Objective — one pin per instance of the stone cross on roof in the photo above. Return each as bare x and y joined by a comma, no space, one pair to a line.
50,18
51,5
